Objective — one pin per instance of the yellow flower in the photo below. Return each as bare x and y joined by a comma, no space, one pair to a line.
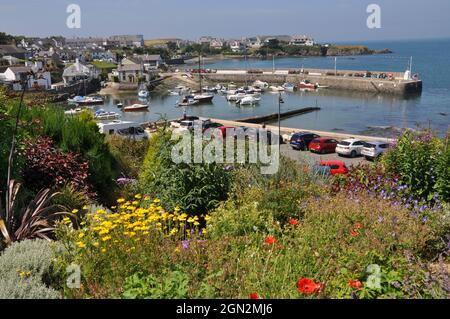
196,223
207,218
138,196
121,200
103,250
106,238
66,220
85,207
80,244
113,207
81,235
177,250
75,211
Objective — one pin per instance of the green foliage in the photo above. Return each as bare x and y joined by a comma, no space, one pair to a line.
195,188
129,154
422,162
26,271
170,285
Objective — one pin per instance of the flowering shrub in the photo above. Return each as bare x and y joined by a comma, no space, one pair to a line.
48,167
128,239
422,161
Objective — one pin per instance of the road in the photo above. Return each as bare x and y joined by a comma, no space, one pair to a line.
312,158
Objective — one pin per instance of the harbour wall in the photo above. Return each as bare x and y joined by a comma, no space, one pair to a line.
342,80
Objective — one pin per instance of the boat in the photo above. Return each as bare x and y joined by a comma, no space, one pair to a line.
187,101
86,100
290,87
277,88
119,105
136,108
248,100
143,92
102,115
307,85
261,85
202,97
235,97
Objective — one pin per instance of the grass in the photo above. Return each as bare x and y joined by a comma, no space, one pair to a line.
104,65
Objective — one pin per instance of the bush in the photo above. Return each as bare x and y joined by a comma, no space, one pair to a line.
129,154
195,188
422,162
26,271
47,167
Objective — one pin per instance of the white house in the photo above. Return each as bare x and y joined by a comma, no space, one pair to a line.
236,46
301,40
254,43
131,73
78,71
16,75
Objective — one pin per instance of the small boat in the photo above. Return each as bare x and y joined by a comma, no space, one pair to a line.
135,108
248,100
86,100
261,85
119,105
277,88
174,93
76,99
102,115
307,85
235,97
204,98
290,87
322,86
188,101
144,94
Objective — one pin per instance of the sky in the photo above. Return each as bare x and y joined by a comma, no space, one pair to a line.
324,20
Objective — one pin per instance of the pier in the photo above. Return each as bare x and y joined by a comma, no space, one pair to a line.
273,117
350,80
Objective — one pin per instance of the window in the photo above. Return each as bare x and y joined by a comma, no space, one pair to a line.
359,143
334,166
384,146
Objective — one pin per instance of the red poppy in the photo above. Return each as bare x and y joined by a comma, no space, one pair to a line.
354,233
358,226
270,240
254,296
293,222
355,284
308,286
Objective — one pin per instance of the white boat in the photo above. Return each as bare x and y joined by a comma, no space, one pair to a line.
86,100
204,98
144,94
290,87
307,85
248,100
277,88
235,97
261,85
102,115
187,101
136,108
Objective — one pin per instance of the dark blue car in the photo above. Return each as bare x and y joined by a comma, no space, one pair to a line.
301,141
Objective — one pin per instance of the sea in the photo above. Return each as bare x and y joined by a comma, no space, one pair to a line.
341,111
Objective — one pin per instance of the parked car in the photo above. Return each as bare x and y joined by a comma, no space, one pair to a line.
336,167
374,150
322,171
301,140
351,147
323,145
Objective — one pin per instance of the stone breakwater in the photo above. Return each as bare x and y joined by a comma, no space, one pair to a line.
349,80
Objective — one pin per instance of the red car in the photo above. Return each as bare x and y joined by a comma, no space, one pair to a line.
337,167
323,145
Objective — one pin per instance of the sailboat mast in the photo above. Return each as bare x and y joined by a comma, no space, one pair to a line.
199,71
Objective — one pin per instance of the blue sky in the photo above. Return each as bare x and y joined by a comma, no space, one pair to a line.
325,20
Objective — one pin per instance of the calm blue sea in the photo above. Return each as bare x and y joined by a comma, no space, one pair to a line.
357,113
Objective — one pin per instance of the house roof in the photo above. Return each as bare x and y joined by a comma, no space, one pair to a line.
10,49
129,67
76,69
20,69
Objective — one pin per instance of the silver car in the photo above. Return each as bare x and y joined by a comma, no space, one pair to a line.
373,150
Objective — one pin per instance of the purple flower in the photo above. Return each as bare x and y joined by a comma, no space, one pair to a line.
185,244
